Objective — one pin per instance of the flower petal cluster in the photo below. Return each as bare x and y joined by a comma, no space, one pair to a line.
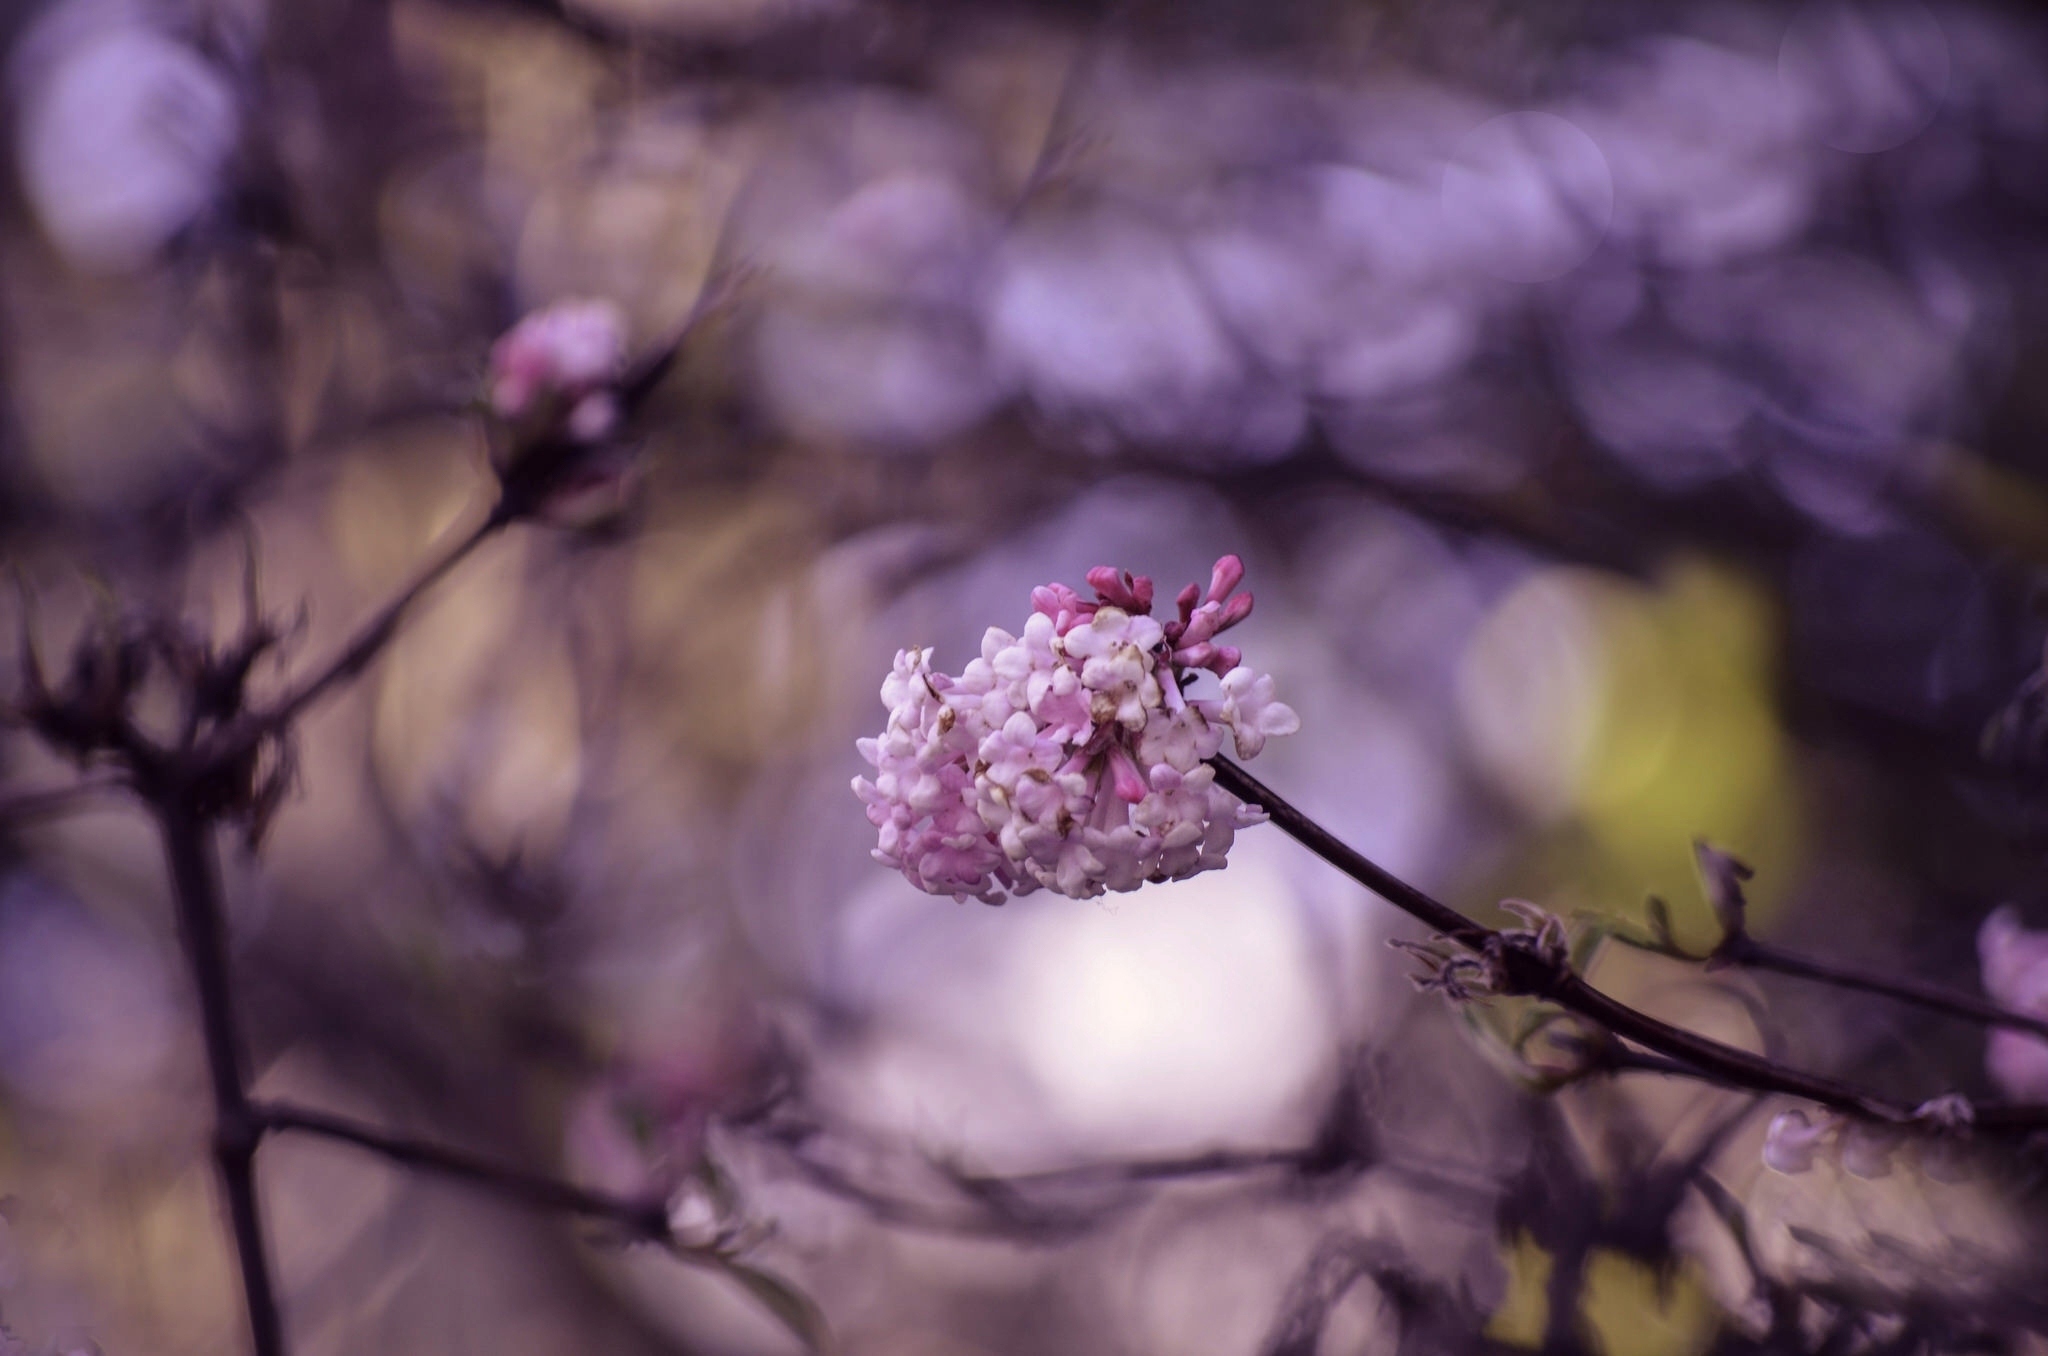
2015,965
567,357
1070,756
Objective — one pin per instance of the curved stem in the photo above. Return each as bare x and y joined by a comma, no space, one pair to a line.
1701,1057
1417,904
1729,1065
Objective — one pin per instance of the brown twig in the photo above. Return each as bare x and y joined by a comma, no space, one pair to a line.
1534,974
195,884
369,640
1748,952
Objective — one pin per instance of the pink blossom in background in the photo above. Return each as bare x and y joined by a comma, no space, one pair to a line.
1071,757
2015,965
1796,1142
1866,1150
571,352
640,1129
1793,1142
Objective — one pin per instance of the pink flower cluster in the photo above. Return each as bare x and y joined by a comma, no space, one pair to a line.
1070,757
569,355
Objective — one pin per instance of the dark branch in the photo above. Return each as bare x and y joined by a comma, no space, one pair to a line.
195,882
354,657
1434,913
1746,951
1725,1065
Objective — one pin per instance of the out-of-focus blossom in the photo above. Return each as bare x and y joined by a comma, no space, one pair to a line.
1793,1142
1864,77
1106,325
1528,195
85,1014
125,132
1869,1149
2015,965
1946,1158
1708,166
566,356
1070,756
1866,1149
869,331
640,1131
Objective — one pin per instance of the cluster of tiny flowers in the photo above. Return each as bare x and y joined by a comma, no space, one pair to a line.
567,356
1071,757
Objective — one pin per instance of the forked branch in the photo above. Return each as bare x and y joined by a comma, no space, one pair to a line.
1521,967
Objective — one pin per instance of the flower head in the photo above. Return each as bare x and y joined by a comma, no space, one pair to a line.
1070,756
567,356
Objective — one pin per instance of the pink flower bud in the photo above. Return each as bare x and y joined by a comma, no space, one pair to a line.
1129,782
564,352
1227,575
1119,589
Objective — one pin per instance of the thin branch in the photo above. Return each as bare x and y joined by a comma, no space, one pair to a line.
1434,913
368,641
1750,953
23,807
641,1218
1050,1205
1726,1065
1308,1161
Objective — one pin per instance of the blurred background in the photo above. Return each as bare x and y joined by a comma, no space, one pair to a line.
1632,418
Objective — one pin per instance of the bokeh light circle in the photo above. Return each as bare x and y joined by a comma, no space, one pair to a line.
1528,195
